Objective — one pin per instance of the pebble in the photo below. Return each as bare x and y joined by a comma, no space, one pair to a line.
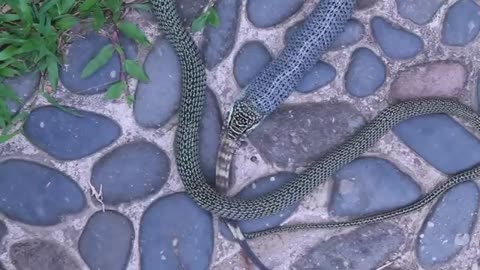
461,24
266,13
366,73
24,86
250,60
41,254
419,11
319,76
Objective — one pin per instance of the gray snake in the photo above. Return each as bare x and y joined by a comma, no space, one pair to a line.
247,112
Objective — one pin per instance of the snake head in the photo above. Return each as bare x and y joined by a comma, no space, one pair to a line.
242,119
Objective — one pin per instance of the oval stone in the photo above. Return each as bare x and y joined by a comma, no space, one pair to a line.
252,58
395,41
24,86
267,13
130,172
175,233
37,195
320,75
41,254
67,136
107,231
157,100
365,74
371,185
418,11
461,24
448,228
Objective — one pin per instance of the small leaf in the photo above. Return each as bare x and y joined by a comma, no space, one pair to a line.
114,6
5,138
130,100
66,5
98,61
199,23
20,117
8,52
98,18
47,5
143,7
57,104
52,68
66,23
132,31
135,70
8,72
7,93
9,17
87,5
115,90
213,18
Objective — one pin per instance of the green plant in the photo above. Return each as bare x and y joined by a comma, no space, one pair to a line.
209,17
32,33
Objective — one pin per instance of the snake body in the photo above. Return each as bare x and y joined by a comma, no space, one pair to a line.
233,208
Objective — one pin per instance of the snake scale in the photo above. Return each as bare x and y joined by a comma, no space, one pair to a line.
247,112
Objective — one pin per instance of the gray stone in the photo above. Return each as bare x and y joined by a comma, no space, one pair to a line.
319,76
362,249
106,241
370,185
266,13
190,9
220,40
37,195
296,135
363,4
260,187
24,86
80,52
448,228
441,141
175,233
41,254
418,11
354,31
66,136
365,74
250,60
461,24
157,100
210,129
395,41
130,172
434,79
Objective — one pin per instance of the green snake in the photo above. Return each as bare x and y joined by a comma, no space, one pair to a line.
244,117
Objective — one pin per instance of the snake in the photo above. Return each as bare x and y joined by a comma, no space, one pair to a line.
261,97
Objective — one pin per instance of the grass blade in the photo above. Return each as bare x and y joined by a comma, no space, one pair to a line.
132,31
115,90
135,70
98,61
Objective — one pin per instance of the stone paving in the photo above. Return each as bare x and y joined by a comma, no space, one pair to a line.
51,214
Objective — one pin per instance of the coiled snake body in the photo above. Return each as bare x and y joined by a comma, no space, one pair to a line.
246,115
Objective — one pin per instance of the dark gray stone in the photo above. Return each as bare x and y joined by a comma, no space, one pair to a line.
210,129
66,136
461,24
106,241
157,100
266,13
250,60
130,172
296,135
41,254
448,228
365,74
371,185
362,249
319,76
175,233
441,141
1,266
220,40
395,41
80,52
260,187
24,86
418,11
363,4
3,230
37,195
354,31
190,9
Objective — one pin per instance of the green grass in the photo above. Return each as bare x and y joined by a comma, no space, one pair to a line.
32,33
